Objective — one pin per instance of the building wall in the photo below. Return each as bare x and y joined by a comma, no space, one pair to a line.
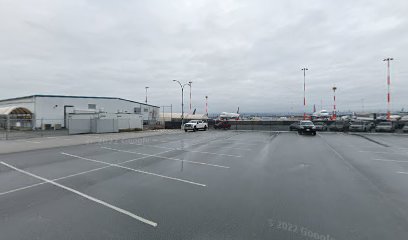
50,110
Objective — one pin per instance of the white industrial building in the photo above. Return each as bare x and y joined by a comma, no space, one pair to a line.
53,110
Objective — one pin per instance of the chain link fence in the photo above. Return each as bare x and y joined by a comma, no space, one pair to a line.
242,125
12,129
28,128
284,125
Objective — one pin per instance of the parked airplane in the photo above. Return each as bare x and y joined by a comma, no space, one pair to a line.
229,116
321,114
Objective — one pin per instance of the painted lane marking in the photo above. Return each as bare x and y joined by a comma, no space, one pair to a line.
72,175
29,141
385,152
180,149
168,158
55,179
243,149
120,210
233,143
387,160
136,170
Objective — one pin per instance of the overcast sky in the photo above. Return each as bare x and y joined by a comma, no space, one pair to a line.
239,53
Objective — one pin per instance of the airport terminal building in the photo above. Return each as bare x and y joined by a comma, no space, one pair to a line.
53,110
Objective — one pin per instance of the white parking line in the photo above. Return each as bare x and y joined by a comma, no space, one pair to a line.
72,175
388,160
22,188
219,154
180,149
55,179
136,170
386,152
120,210
36,142
403,172
234,143
243,149
168,158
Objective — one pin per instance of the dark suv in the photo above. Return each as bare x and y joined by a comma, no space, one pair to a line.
306,127
222,125
340,126
294,126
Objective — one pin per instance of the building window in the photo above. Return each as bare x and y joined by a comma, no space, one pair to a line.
146,110
138,110
91,106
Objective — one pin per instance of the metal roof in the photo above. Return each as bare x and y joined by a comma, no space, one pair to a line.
65,96
14,110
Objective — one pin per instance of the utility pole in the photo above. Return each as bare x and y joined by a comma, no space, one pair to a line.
304,92
206,105
182,100
388,87
146,94
189,83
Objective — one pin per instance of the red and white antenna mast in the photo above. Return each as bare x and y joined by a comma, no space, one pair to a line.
334,104
304,92
388,88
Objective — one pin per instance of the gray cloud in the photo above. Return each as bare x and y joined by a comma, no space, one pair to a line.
239,53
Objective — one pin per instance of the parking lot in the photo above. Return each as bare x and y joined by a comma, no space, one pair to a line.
210,185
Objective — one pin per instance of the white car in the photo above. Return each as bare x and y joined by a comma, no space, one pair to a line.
195,125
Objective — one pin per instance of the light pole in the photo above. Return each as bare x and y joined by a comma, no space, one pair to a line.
182,99
189,83
304,92
146,94
206,105
334,105
388,86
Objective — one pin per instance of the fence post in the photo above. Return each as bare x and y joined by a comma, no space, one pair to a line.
8,127
42,127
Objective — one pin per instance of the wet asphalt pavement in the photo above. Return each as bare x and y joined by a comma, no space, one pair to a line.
210,185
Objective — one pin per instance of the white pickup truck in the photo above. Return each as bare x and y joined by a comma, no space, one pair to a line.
195,125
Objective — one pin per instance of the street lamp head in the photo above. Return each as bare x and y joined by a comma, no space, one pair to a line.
334,88
174,80
388,59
